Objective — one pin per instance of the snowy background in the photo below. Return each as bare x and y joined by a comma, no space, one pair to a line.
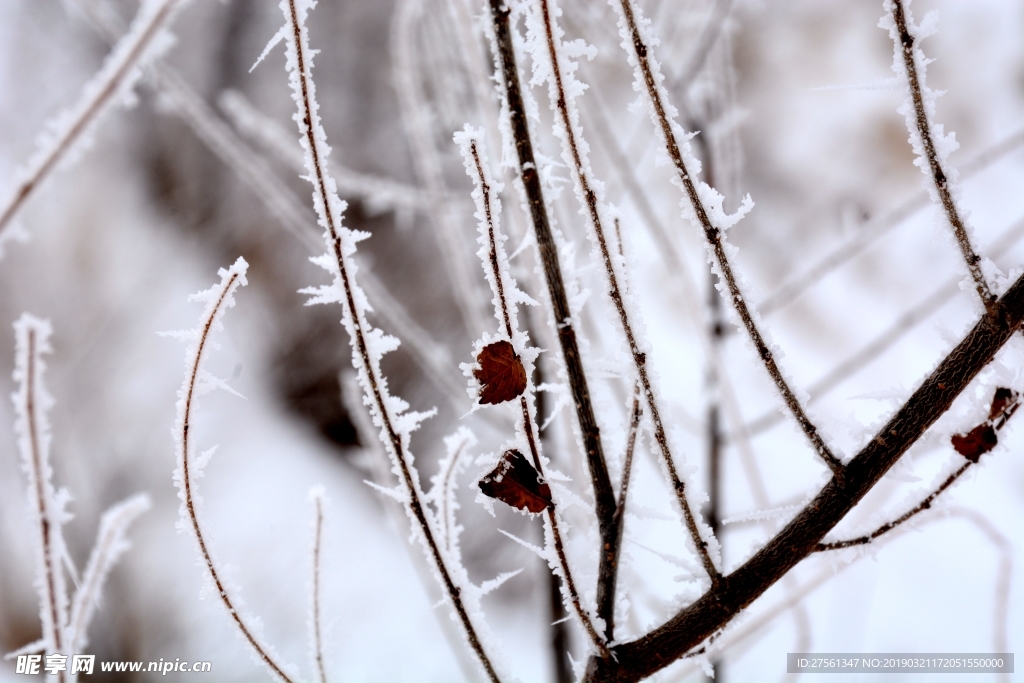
799,104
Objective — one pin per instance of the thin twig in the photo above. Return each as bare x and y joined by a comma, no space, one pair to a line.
318,531
637,659
591,204
30,406
115,75
291,213
329,207
904,42
495,257
231,279
508,73
716,242
620,509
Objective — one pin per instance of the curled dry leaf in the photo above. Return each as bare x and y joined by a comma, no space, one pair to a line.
515,482
501,373
982,438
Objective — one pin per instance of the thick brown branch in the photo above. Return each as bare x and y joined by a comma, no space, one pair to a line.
635,660
604,494
906,44
715,241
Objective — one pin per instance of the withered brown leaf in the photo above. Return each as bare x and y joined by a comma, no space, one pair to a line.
515,482
982,438
501,373
976,442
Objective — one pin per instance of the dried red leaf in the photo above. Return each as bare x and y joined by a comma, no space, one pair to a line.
1005,401
515,482
976,442
501,373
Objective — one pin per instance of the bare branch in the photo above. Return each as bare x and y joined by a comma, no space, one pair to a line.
604,495
904,42
979,440
317,497
590,198
341,244
713,235
117,76
693,624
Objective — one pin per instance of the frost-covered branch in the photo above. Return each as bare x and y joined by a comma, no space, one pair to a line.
693,624
368,344
506,296
144,41
515,125
971,445
218,298
46,506
552,60
110,545
909,61
703,203
316,496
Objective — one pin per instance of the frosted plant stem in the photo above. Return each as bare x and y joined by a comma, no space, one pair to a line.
327,203
91,104
529,427
996,424
230,282
30,406
939,176
715,241
590,201
110,543
604,494
315,616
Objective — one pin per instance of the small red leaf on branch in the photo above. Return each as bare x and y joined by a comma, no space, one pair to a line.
515,482
976,442
982,438
501,373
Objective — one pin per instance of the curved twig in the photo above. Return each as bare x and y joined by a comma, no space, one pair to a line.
117,73
220,299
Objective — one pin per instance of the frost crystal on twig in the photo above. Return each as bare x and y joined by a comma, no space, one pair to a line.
146,40
369,345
